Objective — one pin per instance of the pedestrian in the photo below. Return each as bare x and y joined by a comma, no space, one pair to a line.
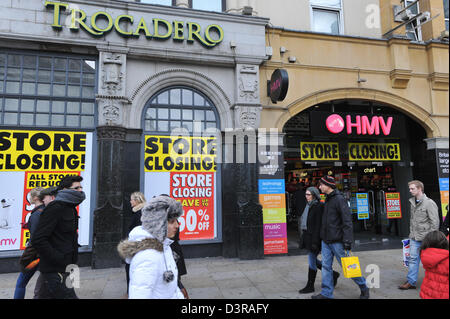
299,201
27,274
434,256
137,202
56,238
337,236
424,219
153,271
310,223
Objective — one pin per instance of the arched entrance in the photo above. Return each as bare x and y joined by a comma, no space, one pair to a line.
372,149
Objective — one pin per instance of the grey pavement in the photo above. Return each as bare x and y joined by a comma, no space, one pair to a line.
274,277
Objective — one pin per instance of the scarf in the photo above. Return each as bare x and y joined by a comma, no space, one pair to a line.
70,196
305,214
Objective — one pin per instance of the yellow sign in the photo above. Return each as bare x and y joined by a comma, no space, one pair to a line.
168,153
42,151
314,151
374,152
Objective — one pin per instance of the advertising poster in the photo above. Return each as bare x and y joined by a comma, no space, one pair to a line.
273,201
185,169
30,159
393,205
362,205
442,156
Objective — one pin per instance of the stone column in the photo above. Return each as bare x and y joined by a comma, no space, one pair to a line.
112,105
247,117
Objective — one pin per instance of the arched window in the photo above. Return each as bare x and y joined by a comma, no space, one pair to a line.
179,107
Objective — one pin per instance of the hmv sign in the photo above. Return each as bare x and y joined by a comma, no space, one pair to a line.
357,125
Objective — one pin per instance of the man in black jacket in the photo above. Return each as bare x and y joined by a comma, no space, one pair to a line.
337,237
56,238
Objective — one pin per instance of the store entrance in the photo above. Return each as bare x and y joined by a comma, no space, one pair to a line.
365,182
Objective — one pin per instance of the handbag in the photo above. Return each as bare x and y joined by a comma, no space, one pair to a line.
350,266
29,259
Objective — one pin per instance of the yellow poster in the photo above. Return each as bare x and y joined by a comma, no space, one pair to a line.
317,151
168,154
42,150
374,152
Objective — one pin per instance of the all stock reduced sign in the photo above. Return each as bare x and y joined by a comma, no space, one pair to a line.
185,169
30,159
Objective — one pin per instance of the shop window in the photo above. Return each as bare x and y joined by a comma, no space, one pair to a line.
179,107
413,29
208,5
446,14
326,16
161,2
47,90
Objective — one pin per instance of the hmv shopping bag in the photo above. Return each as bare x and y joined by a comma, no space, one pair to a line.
406,251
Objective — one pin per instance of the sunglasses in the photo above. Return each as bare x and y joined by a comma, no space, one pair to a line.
308,194
77,188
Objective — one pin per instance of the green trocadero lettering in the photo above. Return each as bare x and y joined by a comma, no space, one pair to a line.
101,22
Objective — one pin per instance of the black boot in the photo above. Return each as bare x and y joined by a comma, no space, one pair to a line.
310,285
335,275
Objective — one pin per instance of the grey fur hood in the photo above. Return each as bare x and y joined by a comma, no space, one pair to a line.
156,214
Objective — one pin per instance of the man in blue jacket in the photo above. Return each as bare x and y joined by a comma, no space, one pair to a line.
337,237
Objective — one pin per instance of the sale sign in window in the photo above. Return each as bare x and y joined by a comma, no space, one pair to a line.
393,206
184,167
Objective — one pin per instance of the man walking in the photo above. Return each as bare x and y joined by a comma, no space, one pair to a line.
56,238
424,219
337,237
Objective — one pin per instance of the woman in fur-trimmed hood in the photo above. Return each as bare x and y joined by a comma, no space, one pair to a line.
153,271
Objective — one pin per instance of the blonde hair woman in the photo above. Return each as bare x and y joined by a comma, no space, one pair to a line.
137,202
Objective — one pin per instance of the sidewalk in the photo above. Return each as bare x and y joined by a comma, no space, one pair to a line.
277,277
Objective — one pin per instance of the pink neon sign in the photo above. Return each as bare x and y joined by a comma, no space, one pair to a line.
377,124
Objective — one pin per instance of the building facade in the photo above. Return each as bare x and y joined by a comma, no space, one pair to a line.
387,68
96,88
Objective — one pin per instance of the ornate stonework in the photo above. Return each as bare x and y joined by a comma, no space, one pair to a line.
247,79
111,99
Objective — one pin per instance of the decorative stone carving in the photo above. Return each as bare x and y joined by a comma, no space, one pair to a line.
247,117
112,73
111,99
247,79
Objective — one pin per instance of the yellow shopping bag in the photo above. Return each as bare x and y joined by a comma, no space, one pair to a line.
351,267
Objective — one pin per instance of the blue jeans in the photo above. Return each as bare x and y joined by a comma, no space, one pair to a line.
328,252
22,281
313,261
414,261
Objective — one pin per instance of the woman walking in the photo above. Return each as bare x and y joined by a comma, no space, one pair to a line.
153,271
311,221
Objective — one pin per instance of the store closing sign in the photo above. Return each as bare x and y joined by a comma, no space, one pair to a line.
30,159
313,151
374,151
185,169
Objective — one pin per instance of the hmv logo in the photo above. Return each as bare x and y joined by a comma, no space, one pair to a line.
361,125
